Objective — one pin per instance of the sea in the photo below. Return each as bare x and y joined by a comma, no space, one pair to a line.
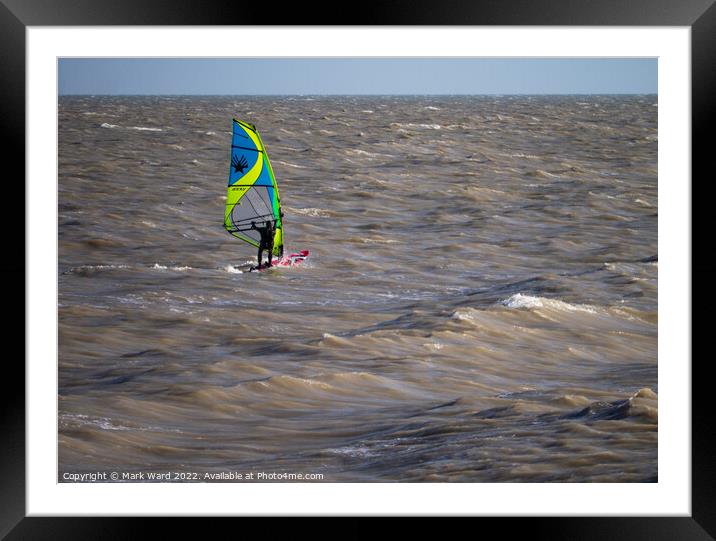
479,305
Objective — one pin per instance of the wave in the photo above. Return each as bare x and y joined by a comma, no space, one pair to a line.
84,270
139,128
523,155
539,173
359,152
354,451
287,164
465,314
379,240
78,420
88,269
157,266
420,126
640,404
527,301
309,211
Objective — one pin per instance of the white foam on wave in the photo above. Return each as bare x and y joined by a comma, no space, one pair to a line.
101,267
412,125
427,126
157,266
465,314
105,423
546,174
310,211
232,270
528,301
359,451
97,267
100,422
139,128
287,164
359,152
602,195
381,240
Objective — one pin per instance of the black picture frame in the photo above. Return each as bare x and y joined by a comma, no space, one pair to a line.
16,15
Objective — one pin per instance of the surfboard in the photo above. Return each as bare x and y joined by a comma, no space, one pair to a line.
286,261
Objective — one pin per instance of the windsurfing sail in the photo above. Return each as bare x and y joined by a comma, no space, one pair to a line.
252,193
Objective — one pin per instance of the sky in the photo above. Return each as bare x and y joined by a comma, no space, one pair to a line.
383,75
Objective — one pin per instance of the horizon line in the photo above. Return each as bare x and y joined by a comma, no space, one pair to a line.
371,94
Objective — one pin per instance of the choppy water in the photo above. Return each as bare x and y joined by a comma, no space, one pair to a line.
480,304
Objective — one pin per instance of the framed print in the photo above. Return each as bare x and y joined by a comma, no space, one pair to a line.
461,311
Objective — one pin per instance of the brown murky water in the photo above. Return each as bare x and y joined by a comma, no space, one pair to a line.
480,304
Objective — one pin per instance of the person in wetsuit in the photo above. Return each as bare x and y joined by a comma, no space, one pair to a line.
267,233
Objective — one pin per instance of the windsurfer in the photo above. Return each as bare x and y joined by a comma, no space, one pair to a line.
267,232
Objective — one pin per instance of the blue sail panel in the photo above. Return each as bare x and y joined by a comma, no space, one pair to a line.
265,178
245,152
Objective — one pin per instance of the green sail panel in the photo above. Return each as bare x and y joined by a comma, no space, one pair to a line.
252,194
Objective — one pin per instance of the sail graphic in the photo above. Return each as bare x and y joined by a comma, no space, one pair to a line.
252,193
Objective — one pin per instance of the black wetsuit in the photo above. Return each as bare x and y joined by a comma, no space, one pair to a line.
266,243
